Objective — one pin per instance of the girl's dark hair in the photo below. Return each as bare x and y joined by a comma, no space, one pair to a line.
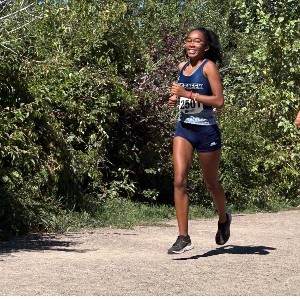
214,52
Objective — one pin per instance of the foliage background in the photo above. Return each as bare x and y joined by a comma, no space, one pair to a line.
84,122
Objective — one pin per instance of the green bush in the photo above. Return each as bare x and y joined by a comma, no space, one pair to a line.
84,119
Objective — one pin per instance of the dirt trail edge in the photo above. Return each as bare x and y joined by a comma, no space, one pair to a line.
262,258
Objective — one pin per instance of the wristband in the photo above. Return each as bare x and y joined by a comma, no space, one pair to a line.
191,95
195,96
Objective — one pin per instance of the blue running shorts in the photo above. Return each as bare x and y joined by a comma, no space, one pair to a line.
203,138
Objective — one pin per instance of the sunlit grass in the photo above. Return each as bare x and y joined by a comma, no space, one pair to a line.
124,213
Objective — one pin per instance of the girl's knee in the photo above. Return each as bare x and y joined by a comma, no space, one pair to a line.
213,186
180,182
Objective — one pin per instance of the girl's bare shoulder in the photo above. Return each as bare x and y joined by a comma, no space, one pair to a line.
210,65
181,65
210,68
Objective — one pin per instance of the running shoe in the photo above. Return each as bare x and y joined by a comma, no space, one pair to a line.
182,244
223,233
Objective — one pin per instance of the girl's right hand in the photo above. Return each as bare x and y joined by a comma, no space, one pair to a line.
173,101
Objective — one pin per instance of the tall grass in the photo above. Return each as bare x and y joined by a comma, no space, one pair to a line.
119,213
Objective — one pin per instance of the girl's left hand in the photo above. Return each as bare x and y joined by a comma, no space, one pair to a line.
178,90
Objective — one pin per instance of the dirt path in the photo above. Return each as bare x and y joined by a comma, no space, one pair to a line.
262,258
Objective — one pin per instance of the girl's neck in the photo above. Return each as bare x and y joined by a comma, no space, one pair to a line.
196,62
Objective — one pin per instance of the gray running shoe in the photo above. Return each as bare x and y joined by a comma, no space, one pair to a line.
223,233
182,244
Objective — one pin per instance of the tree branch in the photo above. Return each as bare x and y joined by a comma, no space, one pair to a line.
24,25
16,12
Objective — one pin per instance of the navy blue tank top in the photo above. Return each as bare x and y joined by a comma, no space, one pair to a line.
191,111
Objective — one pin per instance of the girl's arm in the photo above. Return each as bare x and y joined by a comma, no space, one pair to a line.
297,120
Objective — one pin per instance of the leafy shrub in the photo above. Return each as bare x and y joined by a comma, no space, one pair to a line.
84,117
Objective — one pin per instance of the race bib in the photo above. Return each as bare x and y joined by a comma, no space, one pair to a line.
189,106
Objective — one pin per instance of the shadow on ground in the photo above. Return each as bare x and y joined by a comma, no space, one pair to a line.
232,249
44,242
37,242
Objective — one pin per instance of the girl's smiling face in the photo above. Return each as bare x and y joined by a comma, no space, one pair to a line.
195,44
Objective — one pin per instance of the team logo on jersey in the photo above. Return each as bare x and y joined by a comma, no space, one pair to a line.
192,86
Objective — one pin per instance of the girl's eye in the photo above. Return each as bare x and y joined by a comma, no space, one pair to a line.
196,41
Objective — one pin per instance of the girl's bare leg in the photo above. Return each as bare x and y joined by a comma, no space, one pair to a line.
210,162
182,159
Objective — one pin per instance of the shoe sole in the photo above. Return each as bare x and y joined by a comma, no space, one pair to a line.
186,248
